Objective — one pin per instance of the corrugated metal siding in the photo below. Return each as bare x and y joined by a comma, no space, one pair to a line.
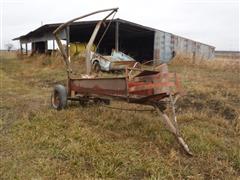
168,47
163,47
167,44
157,47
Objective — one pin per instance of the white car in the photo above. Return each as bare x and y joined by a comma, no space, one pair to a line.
117,61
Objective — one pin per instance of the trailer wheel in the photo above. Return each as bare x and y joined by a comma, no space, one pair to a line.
59,97
96,67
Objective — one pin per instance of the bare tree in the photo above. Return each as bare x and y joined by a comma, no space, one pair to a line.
9,46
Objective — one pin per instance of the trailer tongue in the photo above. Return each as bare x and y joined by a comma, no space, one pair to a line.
157,88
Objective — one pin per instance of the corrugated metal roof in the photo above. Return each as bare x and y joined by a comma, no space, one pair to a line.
51,27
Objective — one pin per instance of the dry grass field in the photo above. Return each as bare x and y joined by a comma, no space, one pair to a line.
37,142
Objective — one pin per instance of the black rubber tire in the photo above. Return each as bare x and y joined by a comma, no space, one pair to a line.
96,67
59,97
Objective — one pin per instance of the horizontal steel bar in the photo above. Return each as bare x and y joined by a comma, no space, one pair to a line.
81,17
145,86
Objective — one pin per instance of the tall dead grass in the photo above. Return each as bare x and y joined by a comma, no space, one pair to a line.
95,142
212,64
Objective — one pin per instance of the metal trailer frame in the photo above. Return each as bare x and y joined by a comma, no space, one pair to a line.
157,88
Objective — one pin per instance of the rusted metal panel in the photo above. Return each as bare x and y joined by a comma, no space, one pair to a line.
192,48
99,86
144,84
163,47
189,47
168,46
204,51
181,47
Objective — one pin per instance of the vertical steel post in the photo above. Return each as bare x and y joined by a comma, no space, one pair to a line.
46,46
33,47
117,36
21,48
53,44
26,48
88,48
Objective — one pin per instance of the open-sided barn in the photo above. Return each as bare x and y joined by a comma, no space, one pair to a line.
141,42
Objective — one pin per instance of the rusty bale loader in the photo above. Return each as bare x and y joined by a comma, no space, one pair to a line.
157,88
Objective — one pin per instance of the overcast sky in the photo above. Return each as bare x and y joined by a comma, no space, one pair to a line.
214,22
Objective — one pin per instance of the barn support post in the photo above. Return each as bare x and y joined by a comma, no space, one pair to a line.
194,48
34,48
117,36
53,44
26,47
21,48
46,46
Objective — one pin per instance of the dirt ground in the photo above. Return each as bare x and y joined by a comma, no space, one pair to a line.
37,142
